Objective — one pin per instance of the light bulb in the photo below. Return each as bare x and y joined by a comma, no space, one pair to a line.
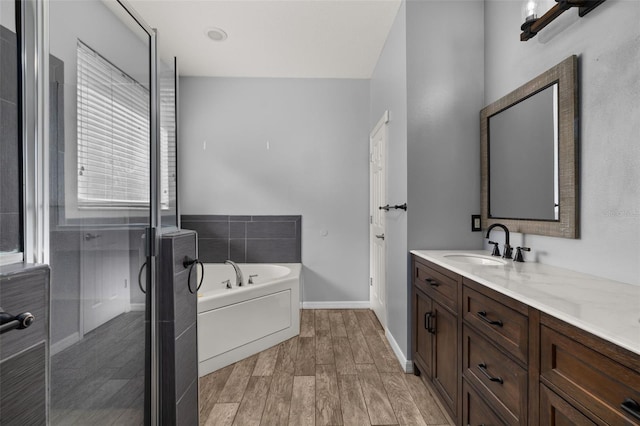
530,10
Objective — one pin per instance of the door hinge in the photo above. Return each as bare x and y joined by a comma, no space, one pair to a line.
370,220
150,243
371,281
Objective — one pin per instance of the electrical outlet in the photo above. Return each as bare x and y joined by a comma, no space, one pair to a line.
475,223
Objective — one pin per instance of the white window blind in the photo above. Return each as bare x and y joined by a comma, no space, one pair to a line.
113,135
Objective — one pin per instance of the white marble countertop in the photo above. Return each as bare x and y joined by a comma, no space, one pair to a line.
606,308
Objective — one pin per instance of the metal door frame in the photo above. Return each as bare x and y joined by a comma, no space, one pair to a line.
33,30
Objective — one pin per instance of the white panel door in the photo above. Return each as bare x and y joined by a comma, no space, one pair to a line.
104,278
378,197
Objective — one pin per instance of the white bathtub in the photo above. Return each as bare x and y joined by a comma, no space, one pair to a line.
238,322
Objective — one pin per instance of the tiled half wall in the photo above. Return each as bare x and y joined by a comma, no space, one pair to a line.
247,239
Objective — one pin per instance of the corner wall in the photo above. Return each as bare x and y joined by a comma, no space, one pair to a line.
445,85
260,146
445,79
430,77
389,92
607,42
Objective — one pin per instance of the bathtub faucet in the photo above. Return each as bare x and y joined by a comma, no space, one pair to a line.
239,278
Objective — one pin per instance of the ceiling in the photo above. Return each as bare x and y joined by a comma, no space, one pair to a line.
272,38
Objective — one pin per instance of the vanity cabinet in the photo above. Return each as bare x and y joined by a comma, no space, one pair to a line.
495,351
495,360
435,337
600,380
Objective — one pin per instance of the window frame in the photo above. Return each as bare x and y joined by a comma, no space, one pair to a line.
92,129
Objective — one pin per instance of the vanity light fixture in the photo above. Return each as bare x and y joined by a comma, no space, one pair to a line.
216,34
533,22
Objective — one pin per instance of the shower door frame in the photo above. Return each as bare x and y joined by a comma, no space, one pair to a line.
34,45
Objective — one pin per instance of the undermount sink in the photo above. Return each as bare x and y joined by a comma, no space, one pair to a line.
475,259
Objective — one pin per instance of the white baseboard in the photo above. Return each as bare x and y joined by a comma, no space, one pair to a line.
63,344
336,305
137,307
406,364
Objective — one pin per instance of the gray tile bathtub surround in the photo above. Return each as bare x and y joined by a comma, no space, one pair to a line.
247,239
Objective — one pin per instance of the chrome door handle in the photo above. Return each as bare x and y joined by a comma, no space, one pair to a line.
381,236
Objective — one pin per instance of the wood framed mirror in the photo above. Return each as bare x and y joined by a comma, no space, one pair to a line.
528,152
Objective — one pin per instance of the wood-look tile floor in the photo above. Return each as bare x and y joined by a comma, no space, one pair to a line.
100,379
340,370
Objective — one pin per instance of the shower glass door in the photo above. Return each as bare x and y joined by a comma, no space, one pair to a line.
101,211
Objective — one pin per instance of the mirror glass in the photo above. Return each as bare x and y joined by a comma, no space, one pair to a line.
528,154
523,148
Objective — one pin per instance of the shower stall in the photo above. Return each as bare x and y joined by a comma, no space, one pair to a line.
94,191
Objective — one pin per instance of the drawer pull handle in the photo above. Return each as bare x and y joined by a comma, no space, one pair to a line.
483,369
432,282
483,317
427,322
631,407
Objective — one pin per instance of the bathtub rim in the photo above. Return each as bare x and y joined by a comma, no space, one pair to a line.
224,297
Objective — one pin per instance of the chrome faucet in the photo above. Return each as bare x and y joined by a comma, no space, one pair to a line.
239,278
507,247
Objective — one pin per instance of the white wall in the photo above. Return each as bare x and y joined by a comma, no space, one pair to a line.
316,165
607,42
389,92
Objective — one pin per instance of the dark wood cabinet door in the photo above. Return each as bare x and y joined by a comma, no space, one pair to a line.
423,337
445,354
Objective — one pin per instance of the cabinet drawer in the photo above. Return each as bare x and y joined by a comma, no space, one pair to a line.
474,409
434,282
592,379
502,324
25,291
500,379
555,411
